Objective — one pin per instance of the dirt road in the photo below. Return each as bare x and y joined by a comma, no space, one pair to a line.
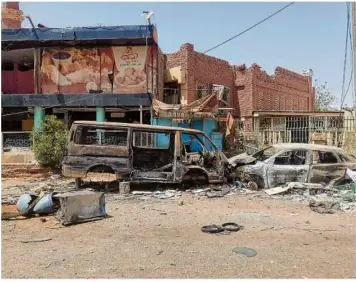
162,239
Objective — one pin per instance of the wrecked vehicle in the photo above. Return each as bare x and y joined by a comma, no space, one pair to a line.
138,152
282,163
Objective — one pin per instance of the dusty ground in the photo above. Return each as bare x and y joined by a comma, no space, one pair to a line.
162,239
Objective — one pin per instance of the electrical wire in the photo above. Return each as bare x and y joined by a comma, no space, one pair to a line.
251,27
345,56
348,37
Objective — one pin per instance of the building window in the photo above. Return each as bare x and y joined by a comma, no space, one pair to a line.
172,93
199,93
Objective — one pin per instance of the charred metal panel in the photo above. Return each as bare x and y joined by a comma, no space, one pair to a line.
80,206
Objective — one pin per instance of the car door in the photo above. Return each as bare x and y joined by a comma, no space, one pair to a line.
349,161
290,165
325,167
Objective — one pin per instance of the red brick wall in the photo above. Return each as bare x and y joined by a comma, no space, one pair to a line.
251,88
200,71
286,90
7,22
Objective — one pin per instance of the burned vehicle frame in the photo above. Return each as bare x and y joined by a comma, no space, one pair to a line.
283,163
142,153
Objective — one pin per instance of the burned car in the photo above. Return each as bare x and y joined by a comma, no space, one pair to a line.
282,163
142,153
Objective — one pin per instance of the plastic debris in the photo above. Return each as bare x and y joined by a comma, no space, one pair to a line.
245,251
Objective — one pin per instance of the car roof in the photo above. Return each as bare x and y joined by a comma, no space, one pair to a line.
136,125
306,146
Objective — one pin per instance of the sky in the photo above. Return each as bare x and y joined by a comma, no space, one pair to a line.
304,36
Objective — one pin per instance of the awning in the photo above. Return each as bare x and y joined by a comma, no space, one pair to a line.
79,36
205,107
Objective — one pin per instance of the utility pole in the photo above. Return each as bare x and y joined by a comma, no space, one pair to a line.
353,16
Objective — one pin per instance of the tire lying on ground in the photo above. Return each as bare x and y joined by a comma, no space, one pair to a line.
212,229
231,226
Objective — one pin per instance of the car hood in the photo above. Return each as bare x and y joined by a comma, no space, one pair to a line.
241,159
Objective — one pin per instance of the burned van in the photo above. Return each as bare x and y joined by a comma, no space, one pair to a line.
142,153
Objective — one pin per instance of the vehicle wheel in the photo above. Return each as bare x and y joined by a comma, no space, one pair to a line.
194,178
78,183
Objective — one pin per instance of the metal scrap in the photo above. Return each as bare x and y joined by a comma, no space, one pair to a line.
320,205
81,206
36,240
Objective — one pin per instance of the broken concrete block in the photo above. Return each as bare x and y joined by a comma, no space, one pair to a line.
124,187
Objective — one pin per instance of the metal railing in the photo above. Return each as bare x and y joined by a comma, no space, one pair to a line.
327,130
16,140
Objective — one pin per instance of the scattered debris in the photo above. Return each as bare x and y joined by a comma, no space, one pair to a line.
124,187
159,252
239,185
320,205
277,190
245,251
166,194
251,185
181,203
36,240
197,191
268,228
141,193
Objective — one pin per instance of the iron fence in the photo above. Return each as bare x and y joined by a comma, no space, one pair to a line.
337,131
16,140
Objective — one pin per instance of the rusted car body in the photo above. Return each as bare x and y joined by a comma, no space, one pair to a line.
142,153
282,163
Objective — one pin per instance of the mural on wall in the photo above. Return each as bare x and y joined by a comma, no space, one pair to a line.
117,70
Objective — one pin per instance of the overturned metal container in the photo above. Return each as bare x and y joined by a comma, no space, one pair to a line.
45,205
80,206
24,202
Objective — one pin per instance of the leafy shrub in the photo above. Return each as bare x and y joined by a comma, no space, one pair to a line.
49,143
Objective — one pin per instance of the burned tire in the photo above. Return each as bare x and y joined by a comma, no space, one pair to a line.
212,229
78,183
231,226
195,178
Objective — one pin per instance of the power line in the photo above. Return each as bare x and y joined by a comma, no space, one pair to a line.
348,37
345,56
251,27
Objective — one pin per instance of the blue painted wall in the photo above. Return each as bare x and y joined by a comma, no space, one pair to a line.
207,125
162,140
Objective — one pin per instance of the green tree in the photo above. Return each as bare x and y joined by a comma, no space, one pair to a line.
49,143
324,99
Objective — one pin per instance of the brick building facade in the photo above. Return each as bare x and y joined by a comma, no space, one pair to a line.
251,89
11,15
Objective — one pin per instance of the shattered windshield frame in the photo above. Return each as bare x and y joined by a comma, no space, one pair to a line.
262,156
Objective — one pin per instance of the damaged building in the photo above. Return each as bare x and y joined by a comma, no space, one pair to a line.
96,73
